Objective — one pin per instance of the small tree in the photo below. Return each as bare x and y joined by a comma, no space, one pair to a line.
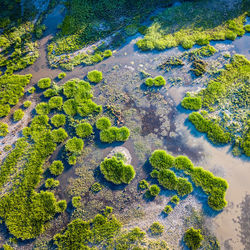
84,130
27,104
44,83
58,120
76,201
95,76
193,238
59,135
3,129
154,190
156,228
18,115
56,167
74,145
103,123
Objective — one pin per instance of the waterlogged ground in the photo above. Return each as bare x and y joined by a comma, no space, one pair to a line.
156,120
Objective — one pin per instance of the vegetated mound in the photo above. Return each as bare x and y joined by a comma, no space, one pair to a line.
214,187
225,106
116,171
192,23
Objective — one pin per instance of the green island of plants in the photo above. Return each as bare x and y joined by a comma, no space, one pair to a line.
156,228
103,123
192,103
94,76
167,210
84,130
51,183
18,115
3,129
12,89
158,81
44,83
214,187
226,109
191,23
114,134
116,171
193,238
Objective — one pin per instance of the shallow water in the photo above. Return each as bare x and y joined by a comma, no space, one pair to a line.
157,121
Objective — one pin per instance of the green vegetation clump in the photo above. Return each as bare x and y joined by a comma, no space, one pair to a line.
167,179
50,92
44,83
182,162
62,75
12,88
191,23
192,103
116,171
3,129
74,145
246,144
42,108
95,76
96,187
72,160
76,201
114,134
56,102
27,104
56,167
157,81
161,160
58,120
31,90
175,199
84,130
154,190
247,28
193,238
143,184
183,187
59,135
18,115
61,206
156,228
51,183
103,123
168,209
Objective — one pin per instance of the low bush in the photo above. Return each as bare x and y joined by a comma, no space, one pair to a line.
192,103
3,129
56,168
114,134
72,160
156,228
247,28
59,135
74,145
31,90
183,187
44,83
56,102
154,173
157,81
230,35
161,160
103,123
96,187
50,92
18,115
95,76
42,108
61,206
175,199
27,104
143,184
70,107
84,130
167,179
154,190
76,201
51,183
116,171
58,120
245,144
193,238
107,53
62,75
168,209
182,162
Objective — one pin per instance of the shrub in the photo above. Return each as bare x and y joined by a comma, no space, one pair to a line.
96,187
116,171
4,110
3,129
114,134
70,107
107,53
18,115
103,123
187,44
154,190
59,135
56,102
76,201
44,83
42,108
51,183
143,184
247,28
72,160
74,145
27,104
61,206
167,179
56,167
192,103
161,160
175,199
50,92
157,81
193,238
84,130
31,90
154,173
184,187
62,75
230,35
156,228
58,120
168,209
95,76
183,163
245,144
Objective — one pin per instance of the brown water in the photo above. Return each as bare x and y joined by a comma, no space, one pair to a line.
122,73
